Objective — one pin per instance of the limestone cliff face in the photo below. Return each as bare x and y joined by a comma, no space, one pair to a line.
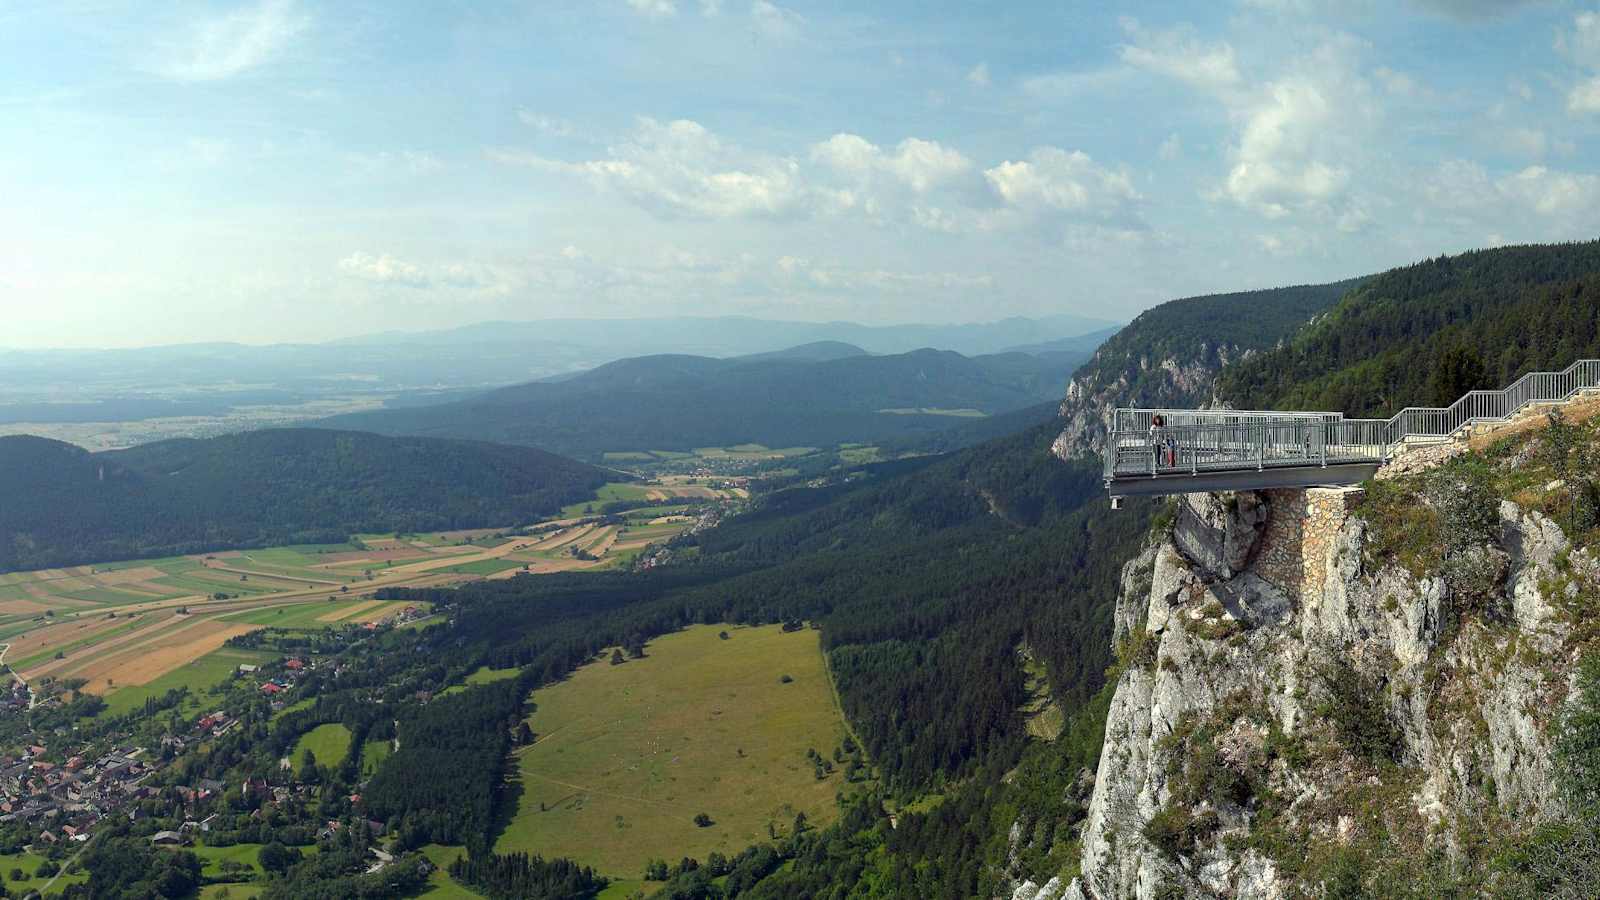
1115,378
1285,699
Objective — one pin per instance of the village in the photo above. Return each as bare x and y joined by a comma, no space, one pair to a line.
60,785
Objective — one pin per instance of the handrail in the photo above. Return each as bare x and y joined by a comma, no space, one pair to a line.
1222,439
1136,419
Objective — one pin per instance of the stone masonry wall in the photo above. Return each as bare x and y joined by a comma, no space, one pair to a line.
1302,525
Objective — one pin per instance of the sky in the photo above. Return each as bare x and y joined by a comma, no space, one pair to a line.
287,170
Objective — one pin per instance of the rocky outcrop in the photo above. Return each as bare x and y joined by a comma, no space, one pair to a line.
1286,697
1113,378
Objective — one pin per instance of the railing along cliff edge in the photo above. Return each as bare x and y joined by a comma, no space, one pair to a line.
1227,440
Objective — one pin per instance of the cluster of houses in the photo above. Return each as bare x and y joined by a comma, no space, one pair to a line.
293,669
15,696
68,799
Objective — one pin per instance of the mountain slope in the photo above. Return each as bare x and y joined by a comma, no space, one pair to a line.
1169,354
926,577
64,505
816,351
683,402
1426,333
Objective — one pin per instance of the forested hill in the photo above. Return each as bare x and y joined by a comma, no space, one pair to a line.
1169,354
1426,333
63,505
685,402
928,577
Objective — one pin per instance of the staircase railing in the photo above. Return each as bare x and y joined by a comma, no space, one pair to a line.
1193,441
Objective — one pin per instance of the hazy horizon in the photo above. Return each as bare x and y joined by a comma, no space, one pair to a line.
276,171
1084,325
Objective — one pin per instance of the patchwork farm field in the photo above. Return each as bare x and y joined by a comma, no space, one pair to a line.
199,676
134,630
627,755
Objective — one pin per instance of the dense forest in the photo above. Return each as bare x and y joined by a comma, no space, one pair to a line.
1205,331
64,505
926,578
685,402
1424,334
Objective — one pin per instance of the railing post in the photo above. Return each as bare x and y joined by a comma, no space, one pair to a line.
1261,447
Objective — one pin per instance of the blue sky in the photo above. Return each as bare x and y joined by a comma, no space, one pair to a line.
291,170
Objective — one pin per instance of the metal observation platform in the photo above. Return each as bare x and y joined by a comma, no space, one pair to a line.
1176,451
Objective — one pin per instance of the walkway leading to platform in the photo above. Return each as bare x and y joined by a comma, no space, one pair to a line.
1173,451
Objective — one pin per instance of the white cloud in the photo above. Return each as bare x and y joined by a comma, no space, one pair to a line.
1299,136
1552,193
1581,46
979,75
680,169
224,46
1177,53
1276,163
1055,179
775,21
916,163
448,279
654,9
1537,201
384,269
1585,96
548,124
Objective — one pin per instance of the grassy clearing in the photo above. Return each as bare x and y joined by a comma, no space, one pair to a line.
328,742
627,755
373,753
29,864
440,885
199,677
484,675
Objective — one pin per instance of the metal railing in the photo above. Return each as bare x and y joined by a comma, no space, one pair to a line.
1192,449
1194,441
1129,419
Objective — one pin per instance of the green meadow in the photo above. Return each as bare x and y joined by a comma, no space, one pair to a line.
627,755
329,743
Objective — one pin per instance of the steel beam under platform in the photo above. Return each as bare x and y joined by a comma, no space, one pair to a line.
1237,480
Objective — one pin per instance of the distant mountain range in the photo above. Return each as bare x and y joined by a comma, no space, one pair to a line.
66,506
724,336
816,395
65,386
